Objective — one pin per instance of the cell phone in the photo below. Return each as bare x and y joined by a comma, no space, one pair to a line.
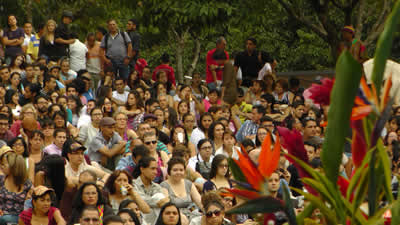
180,137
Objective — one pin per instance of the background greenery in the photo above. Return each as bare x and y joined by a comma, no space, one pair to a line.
299,34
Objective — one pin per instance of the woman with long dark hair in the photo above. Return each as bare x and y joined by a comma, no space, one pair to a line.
219,174
134,109
169,215
201,131
215,133
75,105
179,137
89,194
128,216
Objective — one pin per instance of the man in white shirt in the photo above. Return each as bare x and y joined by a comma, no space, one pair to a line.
77,54
120,95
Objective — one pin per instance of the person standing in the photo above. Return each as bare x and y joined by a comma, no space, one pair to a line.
116,48
93,62
77,54
214,69
164,67
63,37
356,47
13,38
135,37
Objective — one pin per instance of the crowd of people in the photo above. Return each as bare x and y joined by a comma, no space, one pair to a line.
91,134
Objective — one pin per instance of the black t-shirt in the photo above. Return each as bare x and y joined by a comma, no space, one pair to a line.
63,32
249,64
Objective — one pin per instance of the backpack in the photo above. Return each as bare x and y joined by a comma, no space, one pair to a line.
108,36
203,168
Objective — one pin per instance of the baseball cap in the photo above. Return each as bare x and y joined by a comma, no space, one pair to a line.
41,190
349,29
4,150
149,116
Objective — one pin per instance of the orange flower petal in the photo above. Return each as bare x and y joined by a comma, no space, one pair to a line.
386,92
360,112
244,193
264,158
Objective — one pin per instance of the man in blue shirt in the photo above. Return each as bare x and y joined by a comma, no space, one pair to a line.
249,128
130,161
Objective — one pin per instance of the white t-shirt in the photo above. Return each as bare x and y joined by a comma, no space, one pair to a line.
121,97
77,55
267,69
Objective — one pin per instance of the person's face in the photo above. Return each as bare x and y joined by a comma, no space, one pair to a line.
3,126
36,142
228,202
5,74
36,70
151,171
250,46
48,131
29,72
72,92
131,99
54,72
214,215
150,142
206,150
255,87
90,217
89,195
64,103
154,106
310,129
147,95
310,152
170,215
27,93
261,133
279,89
18,146
223,167
42,204
91,40
160,116
71,104
299,111
90,105
312,114
134,207
229,141
12,21
255,115
65,67
218,131
206,121
28,28
60,139
67,20
273,182
99,35
107,105
130,26
52,84
108,131
178,171
51,27
188,122
147,73
15,80
126,218
161,89
96,116
15,98
183,108
54,97
163,78
213,97
121,120
76,157
222,45
391,137
59,121
141,92
179,131
393,125
29,113
143,128
226,114
112,26
163,101
121,181
119,86
347,35
196,79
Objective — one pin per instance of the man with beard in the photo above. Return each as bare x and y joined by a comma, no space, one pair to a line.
41,105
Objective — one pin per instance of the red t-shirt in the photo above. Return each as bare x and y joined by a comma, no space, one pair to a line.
211,61
168,69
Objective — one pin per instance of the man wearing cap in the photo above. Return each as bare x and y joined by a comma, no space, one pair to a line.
356,47
62,35
107,146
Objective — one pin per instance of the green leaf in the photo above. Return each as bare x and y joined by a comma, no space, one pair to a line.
384,46
236,171
387,172
372,185
289,209
396,211
355,179
348,75
307,212
266,204
316,185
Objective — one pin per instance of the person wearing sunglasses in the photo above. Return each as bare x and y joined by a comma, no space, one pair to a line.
219,174
150,141
90,215
214,211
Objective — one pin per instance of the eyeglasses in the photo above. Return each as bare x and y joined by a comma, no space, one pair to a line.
223,165
210,214
206,148
150,142
94,220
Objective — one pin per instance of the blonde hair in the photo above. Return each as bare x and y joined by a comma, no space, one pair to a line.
17,168
25,108
46,30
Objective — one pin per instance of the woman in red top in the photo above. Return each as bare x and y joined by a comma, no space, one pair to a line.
42,212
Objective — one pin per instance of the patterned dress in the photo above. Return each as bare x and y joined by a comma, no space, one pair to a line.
12,203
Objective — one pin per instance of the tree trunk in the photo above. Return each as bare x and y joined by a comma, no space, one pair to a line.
195,57
180,46
28,10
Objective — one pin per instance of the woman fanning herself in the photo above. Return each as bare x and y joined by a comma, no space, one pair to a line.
219,174
182,192
41,212
14,186
134,109
179,136
119,184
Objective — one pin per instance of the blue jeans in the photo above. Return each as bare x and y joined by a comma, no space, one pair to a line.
7,219
120,69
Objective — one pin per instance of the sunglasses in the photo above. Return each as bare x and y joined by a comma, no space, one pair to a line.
94,220
210,214
150,142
